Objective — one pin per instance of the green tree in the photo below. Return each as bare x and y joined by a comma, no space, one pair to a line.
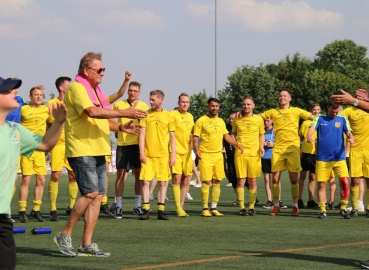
52,95
199,104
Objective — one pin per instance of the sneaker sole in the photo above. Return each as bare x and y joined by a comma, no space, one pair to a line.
82,254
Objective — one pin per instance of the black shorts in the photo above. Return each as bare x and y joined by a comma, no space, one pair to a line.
266,165
129,153
308,162
7,244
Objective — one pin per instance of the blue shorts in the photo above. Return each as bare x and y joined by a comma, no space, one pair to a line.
90,173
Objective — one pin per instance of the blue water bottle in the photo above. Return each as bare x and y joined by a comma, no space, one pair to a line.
41,230
17,230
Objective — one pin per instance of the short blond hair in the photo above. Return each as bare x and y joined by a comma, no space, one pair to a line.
158,93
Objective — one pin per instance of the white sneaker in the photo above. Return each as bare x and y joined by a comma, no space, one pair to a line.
192,183
198,185
361,206
188,197
152,198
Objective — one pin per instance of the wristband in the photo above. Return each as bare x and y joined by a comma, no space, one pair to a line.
120,127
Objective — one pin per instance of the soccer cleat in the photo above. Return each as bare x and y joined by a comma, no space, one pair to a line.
23,217
365,264
105,209
236,202
330,206
145,215
275,210
243,212
300,203
252,212
137,211
92,250
64,243
345,214
322,215
295,211
354,213
189,197
118,213
268,205
214,212
113,208
152,198
68,210
181,213
162,216
54,216
37,215
281,205
312,205
205,212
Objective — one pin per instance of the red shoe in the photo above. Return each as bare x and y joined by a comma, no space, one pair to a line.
275,210
295,211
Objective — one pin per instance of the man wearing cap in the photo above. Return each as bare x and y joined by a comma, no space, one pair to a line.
17,140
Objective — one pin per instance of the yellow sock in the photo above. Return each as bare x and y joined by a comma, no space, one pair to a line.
72,193
205,195
53,194
22,206
354,193
177,196
322,207
275,192
215,193
344,204
240,192
252,198
36,205
146,206
367,198
104,200
14,189
161,206
295,193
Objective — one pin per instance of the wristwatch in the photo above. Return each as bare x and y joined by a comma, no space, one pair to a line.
356,102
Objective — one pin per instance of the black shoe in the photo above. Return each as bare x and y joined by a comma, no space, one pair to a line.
345,214
300,204
37,215
105,209
354,213
322,215
145,215
312,204
68,210
257,200
330,206
54,216
243,212
113,208
162,216
23,217
281,205
367,213
118,213
268,205
252,212
365,264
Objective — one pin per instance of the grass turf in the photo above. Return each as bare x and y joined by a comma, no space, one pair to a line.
232,241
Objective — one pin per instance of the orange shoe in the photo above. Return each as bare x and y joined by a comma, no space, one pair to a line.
295,211
275,210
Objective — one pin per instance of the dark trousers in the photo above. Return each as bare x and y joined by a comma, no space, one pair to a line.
8,258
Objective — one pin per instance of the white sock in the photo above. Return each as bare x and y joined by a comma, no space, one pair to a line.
138,201
214,206
119,202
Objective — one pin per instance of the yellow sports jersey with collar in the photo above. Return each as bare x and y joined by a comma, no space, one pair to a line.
359,122
184,127
211,132
84,136
248,131
34,119
157,125
123,137
51,119
286,124
306,147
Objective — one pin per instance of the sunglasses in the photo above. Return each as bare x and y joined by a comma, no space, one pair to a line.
98,71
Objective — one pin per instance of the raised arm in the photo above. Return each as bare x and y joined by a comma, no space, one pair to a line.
122,89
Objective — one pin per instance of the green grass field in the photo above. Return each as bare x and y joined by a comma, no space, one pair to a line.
194,242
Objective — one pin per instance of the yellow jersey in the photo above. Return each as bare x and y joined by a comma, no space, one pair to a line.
34,119
157,125
84,136
286,124
51,119
125,138
359,122
211,131
248,130
306,147
184,127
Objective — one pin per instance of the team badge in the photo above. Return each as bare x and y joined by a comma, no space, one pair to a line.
337,124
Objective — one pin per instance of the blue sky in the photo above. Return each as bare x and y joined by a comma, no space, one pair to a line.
166,44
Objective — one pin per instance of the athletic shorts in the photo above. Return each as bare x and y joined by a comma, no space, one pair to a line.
247,166
324,170
183,165
128,153
90,173
211,166
286,158
58,159
308,162
155,167
35,164
266,165
359,163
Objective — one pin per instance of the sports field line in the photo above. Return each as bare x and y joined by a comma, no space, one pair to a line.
223,258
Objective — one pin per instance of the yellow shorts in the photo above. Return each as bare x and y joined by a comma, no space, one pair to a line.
58,158
155,167
183,165
324,170
286,158
211,166
359,163
247,166
19,165
35,164
108,159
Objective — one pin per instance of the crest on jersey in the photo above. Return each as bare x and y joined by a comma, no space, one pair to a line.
337,124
